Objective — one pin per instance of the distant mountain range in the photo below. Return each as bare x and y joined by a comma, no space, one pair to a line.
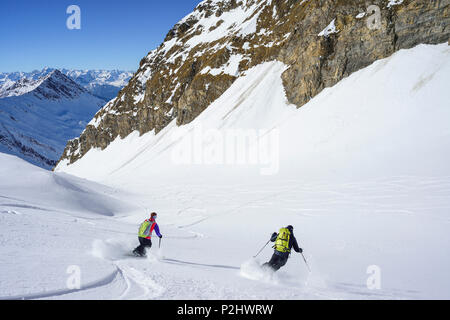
104,84
41,110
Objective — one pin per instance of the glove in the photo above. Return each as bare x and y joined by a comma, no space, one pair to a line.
160,236
300,250
274,237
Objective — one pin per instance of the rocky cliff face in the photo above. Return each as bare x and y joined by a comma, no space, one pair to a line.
322,41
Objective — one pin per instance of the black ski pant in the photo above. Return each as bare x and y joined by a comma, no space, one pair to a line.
144,243
278,260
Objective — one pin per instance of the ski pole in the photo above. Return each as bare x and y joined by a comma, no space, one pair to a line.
159,243
261,249
304,259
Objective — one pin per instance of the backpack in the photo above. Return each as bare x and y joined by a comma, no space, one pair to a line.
145,228
282,241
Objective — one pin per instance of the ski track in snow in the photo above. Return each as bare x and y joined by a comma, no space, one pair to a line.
146,278
107,280
161,276
358,199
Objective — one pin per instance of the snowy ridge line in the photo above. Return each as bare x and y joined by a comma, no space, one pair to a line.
108,279
95,81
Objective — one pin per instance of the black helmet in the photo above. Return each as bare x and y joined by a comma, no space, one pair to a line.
290,228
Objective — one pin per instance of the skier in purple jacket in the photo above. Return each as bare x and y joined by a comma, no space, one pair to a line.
145,234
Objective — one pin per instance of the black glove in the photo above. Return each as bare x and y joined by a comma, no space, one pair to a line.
160,236
300,250
274,237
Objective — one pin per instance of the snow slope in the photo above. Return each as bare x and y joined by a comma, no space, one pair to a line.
47,224
361,172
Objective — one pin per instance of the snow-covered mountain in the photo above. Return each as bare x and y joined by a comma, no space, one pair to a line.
51,86
38,116
104,84
251,116
363,178
320,42
384,120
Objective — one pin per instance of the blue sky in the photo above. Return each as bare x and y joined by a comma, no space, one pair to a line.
114,34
